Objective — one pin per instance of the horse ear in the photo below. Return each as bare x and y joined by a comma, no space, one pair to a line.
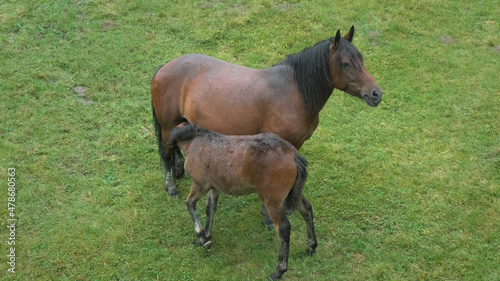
349,35
336,41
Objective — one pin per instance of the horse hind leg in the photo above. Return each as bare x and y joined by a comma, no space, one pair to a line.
166,153
167,156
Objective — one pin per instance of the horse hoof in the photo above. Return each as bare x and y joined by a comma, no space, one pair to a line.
179,173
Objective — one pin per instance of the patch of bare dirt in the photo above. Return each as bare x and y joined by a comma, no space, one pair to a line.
285,6
84,101
205,5
237,8
109,25
80,90
446,39
497,49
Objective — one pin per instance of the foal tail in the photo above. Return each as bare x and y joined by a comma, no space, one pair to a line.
294,196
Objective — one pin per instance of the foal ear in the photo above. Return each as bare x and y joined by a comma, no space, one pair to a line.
349,35
336,42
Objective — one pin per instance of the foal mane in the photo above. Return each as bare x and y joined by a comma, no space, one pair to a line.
312,73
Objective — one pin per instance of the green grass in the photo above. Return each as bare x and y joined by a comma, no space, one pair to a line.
406,191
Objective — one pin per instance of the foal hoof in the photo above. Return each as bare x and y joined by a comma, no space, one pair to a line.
310,252
208,246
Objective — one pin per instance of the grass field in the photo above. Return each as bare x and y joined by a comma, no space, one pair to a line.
409,190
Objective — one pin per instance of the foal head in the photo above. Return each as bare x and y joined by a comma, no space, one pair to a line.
348,72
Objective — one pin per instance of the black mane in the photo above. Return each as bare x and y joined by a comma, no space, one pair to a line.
312,72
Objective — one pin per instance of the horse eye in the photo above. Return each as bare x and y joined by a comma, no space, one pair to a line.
345,64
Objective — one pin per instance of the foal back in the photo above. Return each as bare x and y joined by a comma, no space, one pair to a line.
239,165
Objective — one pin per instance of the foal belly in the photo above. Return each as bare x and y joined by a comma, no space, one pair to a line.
232,187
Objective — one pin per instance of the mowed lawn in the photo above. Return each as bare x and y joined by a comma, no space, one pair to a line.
409,190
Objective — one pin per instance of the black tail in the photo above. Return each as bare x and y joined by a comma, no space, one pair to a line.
294,196
157,126
156,123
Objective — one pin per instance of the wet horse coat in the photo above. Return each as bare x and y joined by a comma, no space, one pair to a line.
240,165
284,99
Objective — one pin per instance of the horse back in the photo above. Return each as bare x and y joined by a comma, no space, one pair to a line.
231,99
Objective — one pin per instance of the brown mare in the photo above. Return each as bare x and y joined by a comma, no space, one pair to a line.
240,165
284,99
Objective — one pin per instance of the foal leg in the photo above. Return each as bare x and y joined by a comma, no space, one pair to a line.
194,195
283,227
213,196
305,209
268,223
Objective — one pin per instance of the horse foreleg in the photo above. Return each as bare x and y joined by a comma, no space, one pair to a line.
213,196
191,201
305,209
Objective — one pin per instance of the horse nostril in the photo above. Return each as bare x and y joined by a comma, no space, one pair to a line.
375,94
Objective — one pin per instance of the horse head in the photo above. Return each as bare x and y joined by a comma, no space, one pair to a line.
348,72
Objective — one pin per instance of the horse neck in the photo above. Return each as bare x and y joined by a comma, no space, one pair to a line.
311,71
319,105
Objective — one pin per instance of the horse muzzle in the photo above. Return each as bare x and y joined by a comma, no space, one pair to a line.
373,98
